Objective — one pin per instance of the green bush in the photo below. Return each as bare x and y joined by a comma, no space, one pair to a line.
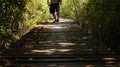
11,14
17,17
102,19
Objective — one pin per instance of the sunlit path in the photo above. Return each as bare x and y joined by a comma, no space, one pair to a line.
62,44
61,21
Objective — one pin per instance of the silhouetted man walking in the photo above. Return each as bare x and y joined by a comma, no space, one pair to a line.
55,8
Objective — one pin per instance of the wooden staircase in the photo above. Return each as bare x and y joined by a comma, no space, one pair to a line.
58,45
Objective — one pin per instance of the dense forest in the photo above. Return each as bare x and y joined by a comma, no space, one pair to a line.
99,17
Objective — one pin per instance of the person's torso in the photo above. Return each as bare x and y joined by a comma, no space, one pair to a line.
54,1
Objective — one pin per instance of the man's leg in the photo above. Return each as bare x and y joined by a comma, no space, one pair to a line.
52,11
54,15
58,14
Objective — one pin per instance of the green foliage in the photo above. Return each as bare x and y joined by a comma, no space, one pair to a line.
17,17
10,11
102,18
67,9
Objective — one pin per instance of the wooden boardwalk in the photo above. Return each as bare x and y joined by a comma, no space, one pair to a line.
62,44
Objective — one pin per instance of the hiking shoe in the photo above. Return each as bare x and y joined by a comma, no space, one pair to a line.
54,21
57,20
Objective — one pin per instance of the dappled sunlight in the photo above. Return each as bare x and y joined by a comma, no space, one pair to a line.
66,20
47,51
52,65
42,26
64,50
65,44
63,24
61,20
109,58
59,27
51,51
111,61
83,44
45,42
85,37
56,65
90,65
